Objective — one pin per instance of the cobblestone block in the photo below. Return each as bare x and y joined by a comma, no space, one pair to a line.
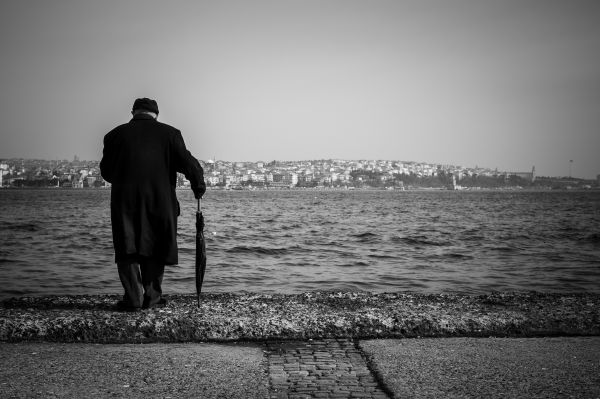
331,368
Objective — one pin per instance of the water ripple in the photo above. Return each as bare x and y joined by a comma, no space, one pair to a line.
59,241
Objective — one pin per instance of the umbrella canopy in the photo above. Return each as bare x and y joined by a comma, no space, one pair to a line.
200,251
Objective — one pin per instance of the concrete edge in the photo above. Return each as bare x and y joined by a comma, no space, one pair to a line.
224,317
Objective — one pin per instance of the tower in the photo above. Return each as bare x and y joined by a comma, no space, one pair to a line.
570,167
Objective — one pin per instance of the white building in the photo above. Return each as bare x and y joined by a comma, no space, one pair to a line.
213,180
257,177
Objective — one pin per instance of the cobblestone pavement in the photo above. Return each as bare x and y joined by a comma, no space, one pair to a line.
320,369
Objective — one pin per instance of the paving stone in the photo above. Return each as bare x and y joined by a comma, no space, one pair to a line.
339,396
321,369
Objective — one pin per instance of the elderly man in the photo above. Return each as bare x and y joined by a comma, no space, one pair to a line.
141,159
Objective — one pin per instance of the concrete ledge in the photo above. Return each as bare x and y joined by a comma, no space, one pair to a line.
312,315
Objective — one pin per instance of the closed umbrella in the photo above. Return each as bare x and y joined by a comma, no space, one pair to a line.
200,251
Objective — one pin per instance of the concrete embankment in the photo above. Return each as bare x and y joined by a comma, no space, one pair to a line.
313,315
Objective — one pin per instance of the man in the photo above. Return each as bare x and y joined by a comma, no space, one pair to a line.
140,159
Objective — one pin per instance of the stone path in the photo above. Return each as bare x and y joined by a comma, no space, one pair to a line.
327,368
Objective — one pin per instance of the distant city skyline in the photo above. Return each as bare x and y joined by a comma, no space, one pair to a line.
568,172
497,84
48,163
279,174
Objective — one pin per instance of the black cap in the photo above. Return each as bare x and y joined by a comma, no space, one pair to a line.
145,104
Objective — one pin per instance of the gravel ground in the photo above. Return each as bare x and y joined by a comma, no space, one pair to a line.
46,370
316,315
488,368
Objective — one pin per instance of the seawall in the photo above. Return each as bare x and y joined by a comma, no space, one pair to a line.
224,317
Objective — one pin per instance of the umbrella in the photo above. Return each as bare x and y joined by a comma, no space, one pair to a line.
200,251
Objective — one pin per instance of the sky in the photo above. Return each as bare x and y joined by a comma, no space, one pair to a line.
499,84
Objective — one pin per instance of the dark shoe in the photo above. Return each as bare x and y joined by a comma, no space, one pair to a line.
162,302
123,306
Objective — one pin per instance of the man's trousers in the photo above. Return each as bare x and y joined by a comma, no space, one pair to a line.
142,281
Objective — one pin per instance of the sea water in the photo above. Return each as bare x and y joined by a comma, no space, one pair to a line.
58,241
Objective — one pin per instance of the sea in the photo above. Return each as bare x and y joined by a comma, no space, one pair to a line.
58,241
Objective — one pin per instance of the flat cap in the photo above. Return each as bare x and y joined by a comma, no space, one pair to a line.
145,104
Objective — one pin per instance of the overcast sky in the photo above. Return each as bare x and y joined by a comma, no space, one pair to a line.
506,84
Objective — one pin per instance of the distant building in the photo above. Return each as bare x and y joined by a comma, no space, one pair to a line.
89,181
213,180
257,177
529,176
3,169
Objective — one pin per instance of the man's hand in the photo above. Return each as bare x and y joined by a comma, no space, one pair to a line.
198,191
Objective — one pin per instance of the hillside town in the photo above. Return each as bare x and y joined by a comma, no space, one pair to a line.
331,173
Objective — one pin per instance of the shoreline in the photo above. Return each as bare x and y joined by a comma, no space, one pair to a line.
226,317
336,189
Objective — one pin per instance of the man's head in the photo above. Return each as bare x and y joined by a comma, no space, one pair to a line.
145,105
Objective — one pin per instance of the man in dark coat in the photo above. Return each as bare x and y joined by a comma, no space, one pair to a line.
141,160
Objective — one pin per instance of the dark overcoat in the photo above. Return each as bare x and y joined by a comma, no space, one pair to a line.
140,160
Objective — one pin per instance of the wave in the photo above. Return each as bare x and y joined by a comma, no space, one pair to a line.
291,226
377,256
421,241
501,248
458,256
243,249
15,226
366,237
360,263
594,238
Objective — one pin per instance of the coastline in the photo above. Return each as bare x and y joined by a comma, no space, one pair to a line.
338,189
225,317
